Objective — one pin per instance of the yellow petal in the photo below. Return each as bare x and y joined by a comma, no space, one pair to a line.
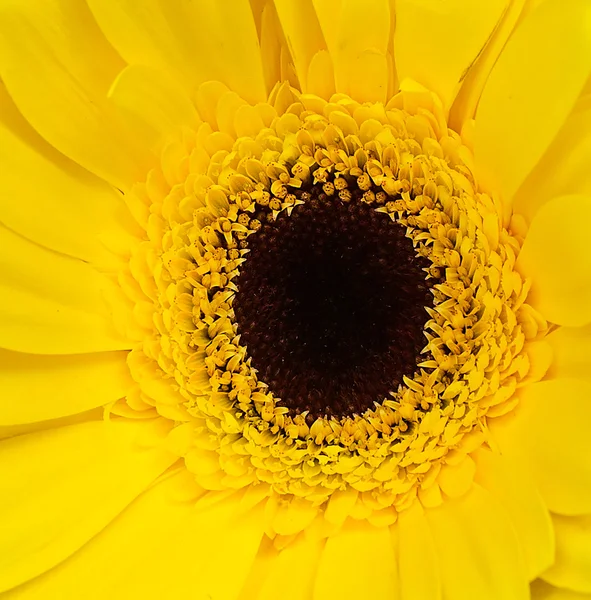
194,41
368,77
34,172
456,479
523,504
303,34
357,562
466,101
556,257
162,546
540,590
36,388
263,562
294,517
50,303
8,431
530,93
564,168
548,434
477,549
57,67
435,42
156,106
572,352
417,564
60,487
277,62
352,29
339,506
290,575
320,79
572,568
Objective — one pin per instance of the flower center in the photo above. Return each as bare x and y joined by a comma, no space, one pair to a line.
330,304
295,273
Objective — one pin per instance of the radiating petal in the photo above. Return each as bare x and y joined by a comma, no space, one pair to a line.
302,33
556,257
156,107
36,388
436,42
477,549
564,168
170,37
320,79
572,568
162,546
291,574
524,506
354,29
417,563
59,488
548,433
273,45
357,562
57,67
94,414
50,303
466,101
48,198
572,352
530,93
368,77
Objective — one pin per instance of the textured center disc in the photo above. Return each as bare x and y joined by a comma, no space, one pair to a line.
331,306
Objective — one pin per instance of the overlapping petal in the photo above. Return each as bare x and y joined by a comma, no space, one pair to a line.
548,435
37,388
51,303
530,94
62,486
57,66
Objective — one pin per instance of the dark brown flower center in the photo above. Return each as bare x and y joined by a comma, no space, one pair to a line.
331,305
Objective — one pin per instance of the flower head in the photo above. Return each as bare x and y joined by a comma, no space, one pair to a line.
296,299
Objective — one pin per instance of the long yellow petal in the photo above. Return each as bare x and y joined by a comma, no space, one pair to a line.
524,505
572,567
94,414
57,66
59,488
477,549
556,257
303,34
272,43
320,79
357,562
530,93
36,388
290,576
572,352
358,35
436,42
156,106
42,193
162,546
194,41
50,303
564,168
420,575
548,434
466,101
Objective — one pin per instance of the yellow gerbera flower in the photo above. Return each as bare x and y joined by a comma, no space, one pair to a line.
295,299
